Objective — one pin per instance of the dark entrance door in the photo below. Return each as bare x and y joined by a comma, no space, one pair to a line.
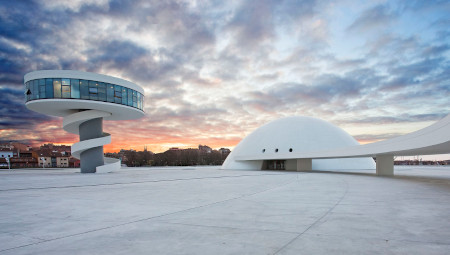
274,165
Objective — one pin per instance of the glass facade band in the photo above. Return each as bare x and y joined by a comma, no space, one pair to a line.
83,89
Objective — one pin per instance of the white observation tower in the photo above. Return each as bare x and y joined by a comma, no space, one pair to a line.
84,100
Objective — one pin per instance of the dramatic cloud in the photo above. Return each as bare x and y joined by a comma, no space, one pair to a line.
14,114
375,17
213,71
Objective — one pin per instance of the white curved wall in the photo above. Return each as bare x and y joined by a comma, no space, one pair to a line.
434,139
63,107
302,134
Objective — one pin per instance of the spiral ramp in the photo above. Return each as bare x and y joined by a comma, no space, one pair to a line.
71,124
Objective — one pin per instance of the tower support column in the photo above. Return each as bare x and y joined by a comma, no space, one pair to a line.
385,165
304,164
93,157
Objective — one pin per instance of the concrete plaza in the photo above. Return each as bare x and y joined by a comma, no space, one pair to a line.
204,210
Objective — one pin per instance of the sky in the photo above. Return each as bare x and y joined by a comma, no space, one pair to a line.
214,71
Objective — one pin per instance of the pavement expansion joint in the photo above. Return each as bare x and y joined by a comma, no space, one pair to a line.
316,221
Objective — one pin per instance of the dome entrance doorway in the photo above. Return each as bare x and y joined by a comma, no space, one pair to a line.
274,165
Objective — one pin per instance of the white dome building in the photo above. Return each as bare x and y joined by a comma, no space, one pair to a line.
273,145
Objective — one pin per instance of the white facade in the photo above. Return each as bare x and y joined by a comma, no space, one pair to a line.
300,142
283,137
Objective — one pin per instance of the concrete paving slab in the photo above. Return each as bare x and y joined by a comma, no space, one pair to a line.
209,211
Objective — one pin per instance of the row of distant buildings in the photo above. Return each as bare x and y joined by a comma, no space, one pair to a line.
19,155
422,162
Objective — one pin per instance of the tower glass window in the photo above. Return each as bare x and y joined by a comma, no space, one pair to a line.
101,91
93,90
124,96
139,101
57,88
75,88
65,88
110,93
130,97
135,99
36,89
118,94
27,91
48,88
84,89
41,88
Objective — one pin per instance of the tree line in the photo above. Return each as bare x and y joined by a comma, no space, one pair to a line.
184,157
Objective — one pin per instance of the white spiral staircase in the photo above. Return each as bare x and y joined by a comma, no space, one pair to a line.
72,122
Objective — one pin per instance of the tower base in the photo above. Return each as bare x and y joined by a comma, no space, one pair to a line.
91,158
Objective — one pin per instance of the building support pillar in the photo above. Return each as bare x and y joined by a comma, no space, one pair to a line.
385,165
91,158
304,164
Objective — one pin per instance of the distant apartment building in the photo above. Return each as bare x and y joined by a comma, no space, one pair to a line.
54,159
15,146
3,163
23,162
56,148
4,145
204,149
24,159
74,162
6,153
51,155
14,158
13,149
21,146
45,161
62,160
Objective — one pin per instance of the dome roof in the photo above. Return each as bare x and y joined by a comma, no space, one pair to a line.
297,134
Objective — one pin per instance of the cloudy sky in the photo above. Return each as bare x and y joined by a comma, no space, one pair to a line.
213,71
